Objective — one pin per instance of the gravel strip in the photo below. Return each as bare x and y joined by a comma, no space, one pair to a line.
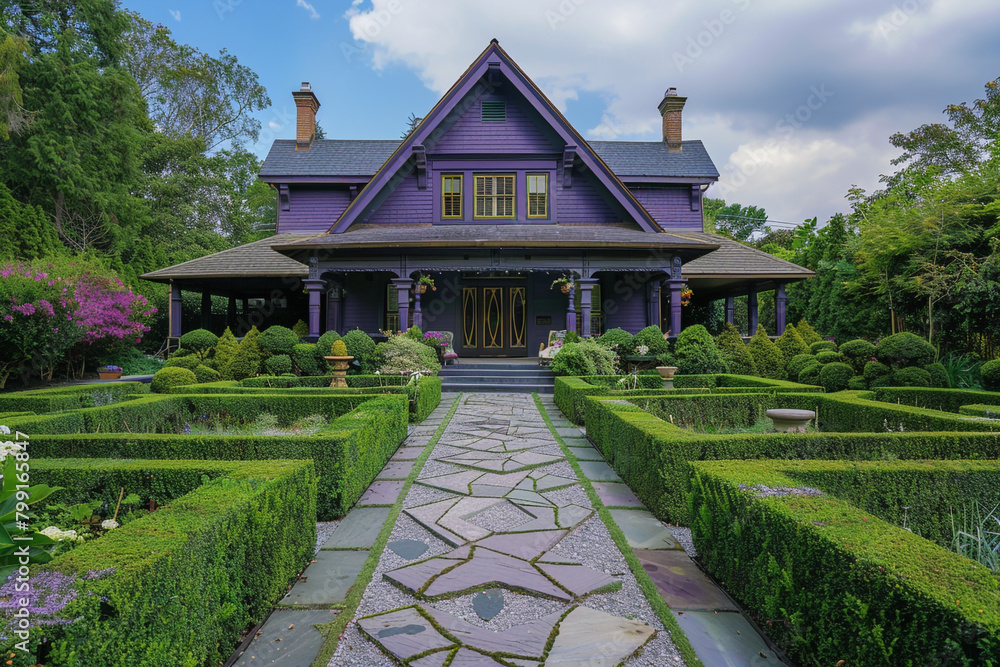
324,529
683,537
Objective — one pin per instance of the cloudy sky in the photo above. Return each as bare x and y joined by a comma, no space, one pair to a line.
795,101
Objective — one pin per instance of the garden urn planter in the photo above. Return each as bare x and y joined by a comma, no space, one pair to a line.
339,365
109,375
667,375
791,421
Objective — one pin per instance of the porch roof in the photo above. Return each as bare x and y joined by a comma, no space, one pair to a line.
497,236
733,259
246,261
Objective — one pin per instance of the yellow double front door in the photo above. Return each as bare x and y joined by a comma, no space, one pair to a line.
494,320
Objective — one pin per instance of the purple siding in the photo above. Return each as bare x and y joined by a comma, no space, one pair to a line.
624,302
405,205
312,209
365,302
583,203
518,134
671,207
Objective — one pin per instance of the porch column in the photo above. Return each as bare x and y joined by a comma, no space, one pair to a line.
403,288
586,303
418,316
675,287
314,288
231,312
655,301
752,311
206,310
334,299
780,303
175,311
730,309
571,309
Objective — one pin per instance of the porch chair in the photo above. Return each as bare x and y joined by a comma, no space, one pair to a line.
548,349
448,354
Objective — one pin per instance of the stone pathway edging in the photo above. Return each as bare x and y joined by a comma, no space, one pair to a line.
518,570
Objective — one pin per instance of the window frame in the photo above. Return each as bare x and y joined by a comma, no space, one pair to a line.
494,197
444,196
544,175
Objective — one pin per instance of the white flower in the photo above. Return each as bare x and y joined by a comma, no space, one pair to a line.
642,350
53,532
109,524
378,372
4,430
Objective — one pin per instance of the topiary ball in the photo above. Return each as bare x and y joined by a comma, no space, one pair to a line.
822,346
338,349
828,357
798,363
166,378
697,354
189,362
199,340
361,346
810,374
326,340
652,338
279,364
904,349
277,340
858,353
989,373
835,376
617,337
939,375
205,374
307,359
857,383
877,374
911,376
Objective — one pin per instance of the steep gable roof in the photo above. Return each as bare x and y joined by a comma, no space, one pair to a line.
495,59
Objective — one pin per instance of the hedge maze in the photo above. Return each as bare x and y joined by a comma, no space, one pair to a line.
235,512
835,541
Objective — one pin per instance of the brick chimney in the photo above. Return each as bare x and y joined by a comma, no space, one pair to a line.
306,106
671,108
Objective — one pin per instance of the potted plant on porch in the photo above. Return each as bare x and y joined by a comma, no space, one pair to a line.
564,283
423,282
109,372
339,360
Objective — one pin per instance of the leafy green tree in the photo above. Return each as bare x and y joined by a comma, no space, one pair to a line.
697,354
735,220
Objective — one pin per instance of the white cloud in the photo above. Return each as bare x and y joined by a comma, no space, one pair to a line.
743,64
176,13
274,126
313,14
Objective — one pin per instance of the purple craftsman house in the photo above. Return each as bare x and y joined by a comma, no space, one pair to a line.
493,196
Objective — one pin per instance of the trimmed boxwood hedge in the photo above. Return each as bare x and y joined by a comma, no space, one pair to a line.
348,453
985,411
836,583
56,399
653,456
186,580
948,400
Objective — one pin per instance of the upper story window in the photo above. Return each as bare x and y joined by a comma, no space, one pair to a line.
451,196
494,196
538,195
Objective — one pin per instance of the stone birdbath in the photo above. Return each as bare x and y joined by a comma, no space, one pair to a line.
667,375
339,360
791,421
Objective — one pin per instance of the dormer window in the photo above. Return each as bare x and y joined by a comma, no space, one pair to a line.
494,196
494,111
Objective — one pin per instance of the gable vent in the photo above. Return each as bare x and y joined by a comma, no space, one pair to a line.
494,111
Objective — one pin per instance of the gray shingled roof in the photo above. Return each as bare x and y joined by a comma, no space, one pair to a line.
328,157
519,236
653,158
735,259
363,157
246,261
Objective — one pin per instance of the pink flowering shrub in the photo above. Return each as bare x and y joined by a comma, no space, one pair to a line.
49,314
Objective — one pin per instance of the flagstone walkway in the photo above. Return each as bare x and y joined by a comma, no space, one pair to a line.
498,550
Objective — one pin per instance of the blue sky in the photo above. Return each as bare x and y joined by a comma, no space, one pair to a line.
794,101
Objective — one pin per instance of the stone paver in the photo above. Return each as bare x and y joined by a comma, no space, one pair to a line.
381,493
327,580
288,639
359,529
614,494
498,502
680,582
587,453
396,470
726,639
643,530
599,471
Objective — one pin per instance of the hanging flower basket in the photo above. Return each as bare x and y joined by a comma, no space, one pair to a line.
686,295
423,282
564,283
